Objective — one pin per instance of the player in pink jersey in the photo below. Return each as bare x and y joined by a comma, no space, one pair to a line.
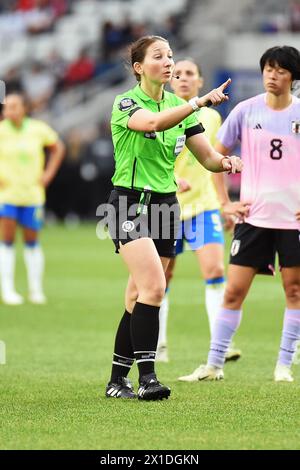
268,127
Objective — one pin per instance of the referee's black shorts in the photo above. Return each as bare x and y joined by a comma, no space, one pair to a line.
161,223
256,247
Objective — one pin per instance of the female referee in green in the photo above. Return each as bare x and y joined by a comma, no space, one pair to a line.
149,129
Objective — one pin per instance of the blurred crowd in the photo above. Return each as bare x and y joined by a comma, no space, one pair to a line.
30,16
278,16
42,80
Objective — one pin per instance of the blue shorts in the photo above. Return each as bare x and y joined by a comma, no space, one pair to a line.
202,229
29,216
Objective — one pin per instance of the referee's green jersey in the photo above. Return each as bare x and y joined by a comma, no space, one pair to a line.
147,158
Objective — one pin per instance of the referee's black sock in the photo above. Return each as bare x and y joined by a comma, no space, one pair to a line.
123,357
144,334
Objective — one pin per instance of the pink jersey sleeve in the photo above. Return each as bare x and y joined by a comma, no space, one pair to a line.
230,131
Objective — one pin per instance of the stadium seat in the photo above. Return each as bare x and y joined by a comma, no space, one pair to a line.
90,7
69,45
42,46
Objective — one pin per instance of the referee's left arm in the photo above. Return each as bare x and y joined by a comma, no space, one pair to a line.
202,149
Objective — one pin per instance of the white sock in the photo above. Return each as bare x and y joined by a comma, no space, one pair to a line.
34,262
214,294
163,321
7,268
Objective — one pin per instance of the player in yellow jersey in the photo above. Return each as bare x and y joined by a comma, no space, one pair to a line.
23,179
200,211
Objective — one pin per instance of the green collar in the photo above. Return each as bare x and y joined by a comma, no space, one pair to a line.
141,94
24,124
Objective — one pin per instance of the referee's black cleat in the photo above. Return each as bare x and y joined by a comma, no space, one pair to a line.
122,388
151,389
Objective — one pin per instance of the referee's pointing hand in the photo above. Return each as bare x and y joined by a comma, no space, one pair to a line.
215,96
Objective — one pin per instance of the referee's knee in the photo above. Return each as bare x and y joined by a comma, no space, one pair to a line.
154,294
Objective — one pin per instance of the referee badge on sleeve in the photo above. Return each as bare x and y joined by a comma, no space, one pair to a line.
296,127
126,103
235,246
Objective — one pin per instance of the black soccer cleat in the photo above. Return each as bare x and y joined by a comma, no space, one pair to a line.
122,388
151,389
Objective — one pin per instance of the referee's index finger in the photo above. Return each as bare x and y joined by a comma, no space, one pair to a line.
225,84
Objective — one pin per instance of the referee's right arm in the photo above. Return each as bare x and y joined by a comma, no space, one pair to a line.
147,121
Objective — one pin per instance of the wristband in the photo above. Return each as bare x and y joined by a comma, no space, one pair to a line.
193,103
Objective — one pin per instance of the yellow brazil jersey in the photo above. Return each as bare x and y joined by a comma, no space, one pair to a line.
22,161
202,197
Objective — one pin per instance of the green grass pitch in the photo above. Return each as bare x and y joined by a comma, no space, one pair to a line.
59,359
